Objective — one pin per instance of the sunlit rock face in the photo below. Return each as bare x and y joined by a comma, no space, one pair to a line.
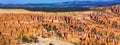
95,27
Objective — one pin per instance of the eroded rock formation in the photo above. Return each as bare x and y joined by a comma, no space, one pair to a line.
82,28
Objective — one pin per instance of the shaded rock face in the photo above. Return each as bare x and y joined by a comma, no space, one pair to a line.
82,28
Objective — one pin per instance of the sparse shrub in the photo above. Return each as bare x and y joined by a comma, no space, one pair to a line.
47,27
44,37
58,34
26,40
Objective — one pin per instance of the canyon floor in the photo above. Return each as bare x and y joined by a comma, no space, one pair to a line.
98,26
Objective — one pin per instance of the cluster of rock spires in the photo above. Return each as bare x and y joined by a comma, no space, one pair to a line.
98,27
114,8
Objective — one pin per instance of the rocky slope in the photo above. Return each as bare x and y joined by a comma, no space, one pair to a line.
48,41
98,27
